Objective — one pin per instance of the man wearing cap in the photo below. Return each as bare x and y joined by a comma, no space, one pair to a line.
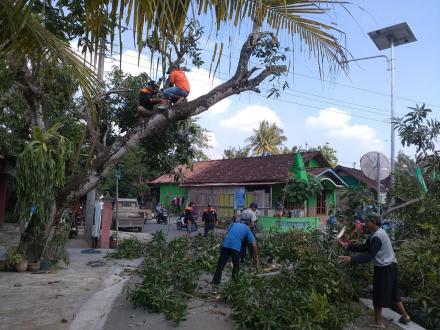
249,218
179,84
378,249
236,233
209,218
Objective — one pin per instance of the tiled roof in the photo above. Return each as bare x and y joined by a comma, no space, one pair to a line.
263,169
360,176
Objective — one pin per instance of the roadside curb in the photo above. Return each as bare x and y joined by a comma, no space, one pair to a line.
392,316
93,314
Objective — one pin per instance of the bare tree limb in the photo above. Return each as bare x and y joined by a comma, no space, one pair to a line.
401,206
240,82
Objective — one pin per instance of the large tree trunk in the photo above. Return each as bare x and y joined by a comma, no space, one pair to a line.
34,240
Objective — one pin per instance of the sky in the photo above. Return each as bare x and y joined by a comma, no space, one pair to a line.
349,111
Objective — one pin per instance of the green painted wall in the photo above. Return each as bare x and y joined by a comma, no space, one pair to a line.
285,224
352,182
171,190
311,202
312,163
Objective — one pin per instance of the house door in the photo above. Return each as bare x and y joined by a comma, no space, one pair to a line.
321,207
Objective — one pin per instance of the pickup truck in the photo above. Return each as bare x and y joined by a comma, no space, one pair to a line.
129,214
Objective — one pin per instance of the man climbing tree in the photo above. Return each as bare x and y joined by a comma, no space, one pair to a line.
179,85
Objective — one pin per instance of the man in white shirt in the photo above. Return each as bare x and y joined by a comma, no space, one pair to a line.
249,218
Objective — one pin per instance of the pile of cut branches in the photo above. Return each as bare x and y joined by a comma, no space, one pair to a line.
308,290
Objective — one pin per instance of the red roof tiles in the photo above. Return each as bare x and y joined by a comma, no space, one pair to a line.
263,169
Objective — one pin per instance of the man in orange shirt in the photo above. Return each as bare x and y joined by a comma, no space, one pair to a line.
179,84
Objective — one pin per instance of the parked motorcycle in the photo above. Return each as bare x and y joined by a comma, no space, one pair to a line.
162,216
73,232
182,225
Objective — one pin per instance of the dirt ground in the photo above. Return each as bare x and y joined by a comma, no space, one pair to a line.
51,300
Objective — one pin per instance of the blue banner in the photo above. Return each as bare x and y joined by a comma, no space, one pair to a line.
239,198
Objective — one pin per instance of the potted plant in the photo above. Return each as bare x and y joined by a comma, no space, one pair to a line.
16,259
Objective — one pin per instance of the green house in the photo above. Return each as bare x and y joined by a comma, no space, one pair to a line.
232,184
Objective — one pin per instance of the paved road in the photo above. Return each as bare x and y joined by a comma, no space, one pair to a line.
201,314
171,229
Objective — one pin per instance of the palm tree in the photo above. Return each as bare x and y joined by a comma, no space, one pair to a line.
267,139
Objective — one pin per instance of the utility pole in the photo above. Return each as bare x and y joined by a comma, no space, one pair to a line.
118,177
91,195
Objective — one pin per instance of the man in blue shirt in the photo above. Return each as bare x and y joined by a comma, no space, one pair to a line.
237,232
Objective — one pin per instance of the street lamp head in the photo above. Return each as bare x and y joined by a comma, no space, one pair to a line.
396,35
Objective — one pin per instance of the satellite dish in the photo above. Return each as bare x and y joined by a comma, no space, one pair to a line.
375,166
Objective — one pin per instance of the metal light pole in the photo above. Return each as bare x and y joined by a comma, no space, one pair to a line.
385,38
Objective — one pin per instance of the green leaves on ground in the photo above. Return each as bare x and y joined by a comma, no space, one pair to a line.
419,260
312,291
129,248
171,271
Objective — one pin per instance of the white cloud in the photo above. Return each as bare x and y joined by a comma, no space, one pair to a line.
212,140
213,152
337,124
201,84
250,117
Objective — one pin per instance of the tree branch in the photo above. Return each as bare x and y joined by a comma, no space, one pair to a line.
401,206
162,119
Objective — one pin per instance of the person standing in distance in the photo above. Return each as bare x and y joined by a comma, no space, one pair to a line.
209,218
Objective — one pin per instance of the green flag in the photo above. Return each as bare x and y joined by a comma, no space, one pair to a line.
422,183
298,168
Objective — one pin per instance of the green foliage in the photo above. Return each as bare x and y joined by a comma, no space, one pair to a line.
170,271
329,153
417,130
240,152
419,260
297,191
313,291
266,140
13,257
357,198
129,248
40,170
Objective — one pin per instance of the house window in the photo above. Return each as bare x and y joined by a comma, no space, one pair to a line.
320,204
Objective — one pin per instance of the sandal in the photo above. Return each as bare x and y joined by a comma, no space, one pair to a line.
378,326
404,320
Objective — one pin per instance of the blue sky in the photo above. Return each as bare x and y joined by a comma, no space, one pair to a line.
350,112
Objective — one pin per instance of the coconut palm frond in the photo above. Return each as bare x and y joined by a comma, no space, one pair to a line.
320,38
165,18
23,33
